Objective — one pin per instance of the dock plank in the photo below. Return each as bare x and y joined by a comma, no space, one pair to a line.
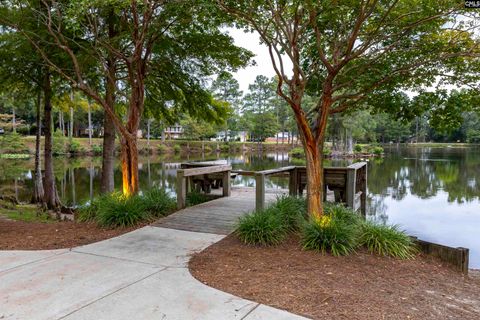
218,216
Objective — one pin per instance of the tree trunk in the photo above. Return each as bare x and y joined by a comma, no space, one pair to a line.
72,183
70,133
91,174
14,120
129,165
89,125
148,134
51,197
349,141
314,165
108,156
38,193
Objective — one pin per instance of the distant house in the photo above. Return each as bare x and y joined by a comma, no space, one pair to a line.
174,132
282,137
240,136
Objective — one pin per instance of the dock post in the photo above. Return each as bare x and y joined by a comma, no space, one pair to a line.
181,189
226,178
293,183
259,191
350,192
363,196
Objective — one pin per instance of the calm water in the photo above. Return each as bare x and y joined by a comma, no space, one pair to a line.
433,193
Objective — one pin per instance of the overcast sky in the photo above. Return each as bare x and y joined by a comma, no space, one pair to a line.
251,41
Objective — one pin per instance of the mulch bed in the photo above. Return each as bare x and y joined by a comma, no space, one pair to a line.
359,286
19,235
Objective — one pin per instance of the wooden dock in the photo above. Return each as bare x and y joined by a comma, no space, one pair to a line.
218,216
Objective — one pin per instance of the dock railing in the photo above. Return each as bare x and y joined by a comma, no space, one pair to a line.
183,176
349,184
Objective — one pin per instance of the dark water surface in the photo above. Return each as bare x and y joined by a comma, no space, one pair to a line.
433,193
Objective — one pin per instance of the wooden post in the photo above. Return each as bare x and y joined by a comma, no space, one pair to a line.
350,192
259,191
181,189
363,197
464,256
226,184
293,183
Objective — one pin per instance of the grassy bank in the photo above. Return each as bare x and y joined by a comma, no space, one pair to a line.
81,146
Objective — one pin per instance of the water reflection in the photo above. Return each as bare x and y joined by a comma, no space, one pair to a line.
431,192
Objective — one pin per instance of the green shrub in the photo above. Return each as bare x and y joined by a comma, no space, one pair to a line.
225,147
177,148
59,142
15,156
75,147
208,149
97,149
162,149
12,143
195,197
117,210
386,240
377,150
297,153
340,212
292,210
327,151
358,148
88,212
158,202
262,228
330,234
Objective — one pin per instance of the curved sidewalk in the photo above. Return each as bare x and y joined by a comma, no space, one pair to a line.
139,275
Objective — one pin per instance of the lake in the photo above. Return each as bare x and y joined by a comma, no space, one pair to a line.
432,193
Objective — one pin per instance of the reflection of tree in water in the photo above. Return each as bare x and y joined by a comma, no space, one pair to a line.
377,209
422,172
425,172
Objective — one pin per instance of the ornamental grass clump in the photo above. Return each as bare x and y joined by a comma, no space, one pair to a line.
263,227
292,211
115,210
330,234
386,240
120,211
158,202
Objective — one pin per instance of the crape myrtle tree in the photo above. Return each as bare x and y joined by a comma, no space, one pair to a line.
355,53
160,49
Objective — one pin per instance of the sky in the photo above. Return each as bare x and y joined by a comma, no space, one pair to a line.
251,41
263,64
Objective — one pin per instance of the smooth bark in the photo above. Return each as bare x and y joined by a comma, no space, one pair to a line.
108,156
38,192
50,197
89,125
129,165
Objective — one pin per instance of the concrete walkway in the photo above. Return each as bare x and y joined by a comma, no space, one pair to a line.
139,275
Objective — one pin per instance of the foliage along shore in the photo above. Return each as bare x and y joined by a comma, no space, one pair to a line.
81,146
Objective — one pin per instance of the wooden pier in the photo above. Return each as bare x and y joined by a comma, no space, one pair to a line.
218,216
